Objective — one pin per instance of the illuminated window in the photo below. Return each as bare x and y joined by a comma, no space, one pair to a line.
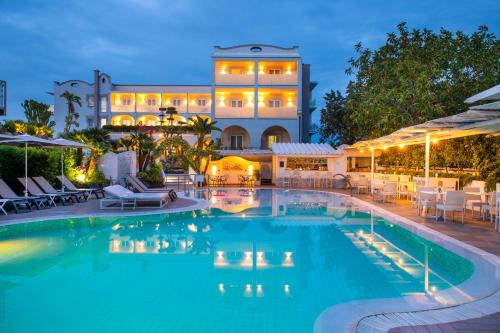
236,141
237,70
176,102
274,71
274,103
151,101
237,103
104,121
126,101
306,163
271,139
202,102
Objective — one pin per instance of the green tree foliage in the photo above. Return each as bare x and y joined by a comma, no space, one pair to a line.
72,116
39,117
416,76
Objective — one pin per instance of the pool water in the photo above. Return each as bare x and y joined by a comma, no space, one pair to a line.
254,261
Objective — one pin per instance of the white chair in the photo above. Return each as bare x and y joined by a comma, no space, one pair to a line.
388,190
425,200
454,202
362,185
473,199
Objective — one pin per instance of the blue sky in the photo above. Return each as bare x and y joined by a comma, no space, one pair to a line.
170,41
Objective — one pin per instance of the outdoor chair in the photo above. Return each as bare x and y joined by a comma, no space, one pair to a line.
387,190
362,185
47,188
86,191
34,190
140,187
425,200
118,194
19,202
473,199
454,201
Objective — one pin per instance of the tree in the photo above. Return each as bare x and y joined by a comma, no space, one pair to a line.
99,141
203,127
416,76
72,115
38,117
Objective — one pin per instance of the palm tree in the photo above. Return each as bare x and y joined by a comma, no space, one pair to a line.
146,149
38,117
127,143
203,127
99,141
72,115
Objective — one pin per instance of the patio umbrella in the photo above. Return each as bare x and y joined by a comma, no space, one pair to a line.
27,140
70,144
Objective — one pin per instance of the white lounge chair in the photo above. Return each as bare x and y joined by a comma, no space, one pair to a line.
126,198
139,186
454,202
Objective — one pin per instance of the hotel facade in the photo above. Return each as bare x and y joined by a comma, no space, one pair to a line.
259,95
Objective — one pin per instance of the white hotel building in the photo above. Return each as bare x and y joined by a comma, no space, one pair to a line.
259,95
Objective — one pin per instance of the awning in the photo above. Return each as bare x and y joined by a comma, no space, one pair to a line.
492,94
303,149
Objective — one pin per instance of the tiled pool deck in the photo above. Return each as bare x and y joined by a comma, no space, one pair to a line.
475,232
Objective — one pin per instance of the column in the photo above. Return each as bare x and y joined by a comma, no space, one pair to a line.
372,169
427,153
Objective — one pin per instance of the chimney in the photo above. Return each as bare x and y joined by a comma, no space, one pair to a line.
97,97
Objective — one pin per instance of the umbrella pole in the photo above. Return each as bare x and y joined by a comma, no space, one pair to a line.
26,169
62,169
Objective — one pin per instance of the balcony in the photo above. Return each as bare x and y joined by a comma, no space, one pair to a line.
122,108
199,109
230,112
234,79
285,112
278,79
148,108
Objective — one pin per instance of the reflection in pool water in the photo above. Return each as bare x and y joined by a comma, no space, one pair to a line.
255,260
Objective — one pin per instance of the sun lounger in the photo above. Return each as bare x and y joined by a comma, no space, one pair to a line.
87,191
34,190
126,198
19,202
139,186
47,188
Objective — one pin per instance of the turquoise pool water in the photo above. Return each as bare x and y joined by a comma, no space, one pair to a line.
264,261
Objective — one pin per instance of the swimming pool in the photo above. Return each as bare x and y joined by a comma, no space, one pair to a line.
258,261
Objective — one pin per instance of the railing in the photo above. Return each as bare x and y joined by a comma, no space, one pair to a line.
122,108
235,79
199,109
265,112
283,79
148,108
228,112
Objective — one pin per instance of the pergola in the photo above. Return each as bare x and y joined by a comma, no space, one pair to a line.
481,119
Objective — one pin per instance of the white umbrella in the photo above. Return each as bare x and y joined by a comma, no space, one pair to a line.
27,140
67,143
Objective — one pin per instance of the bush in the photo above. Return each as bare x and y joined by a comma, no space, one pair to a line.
41,162
152,176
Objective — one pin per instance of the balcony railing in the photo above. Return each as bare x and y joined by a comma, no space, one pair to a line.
148,108
229,112
278,79
235,79
122,108
266,112
199,109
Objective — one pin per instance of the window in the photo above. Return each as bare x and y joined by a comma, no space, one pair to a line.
274,103
236,70
90,122
202,102
236,141
104,103
151,101
104,121
90,101
176,102
307,163
126,101
273,139
274,71
236,103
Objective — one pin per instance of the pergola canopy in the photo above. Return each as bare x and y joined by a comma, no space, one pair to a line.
484,119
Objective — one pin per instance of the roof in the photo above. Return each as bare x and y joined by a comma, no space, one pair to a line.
492,94
245,152
304,149
472,122
256,51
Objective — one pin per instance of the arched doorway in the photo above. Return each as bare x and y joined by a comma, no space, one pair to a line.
122,120
274,134
235,138
147,121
